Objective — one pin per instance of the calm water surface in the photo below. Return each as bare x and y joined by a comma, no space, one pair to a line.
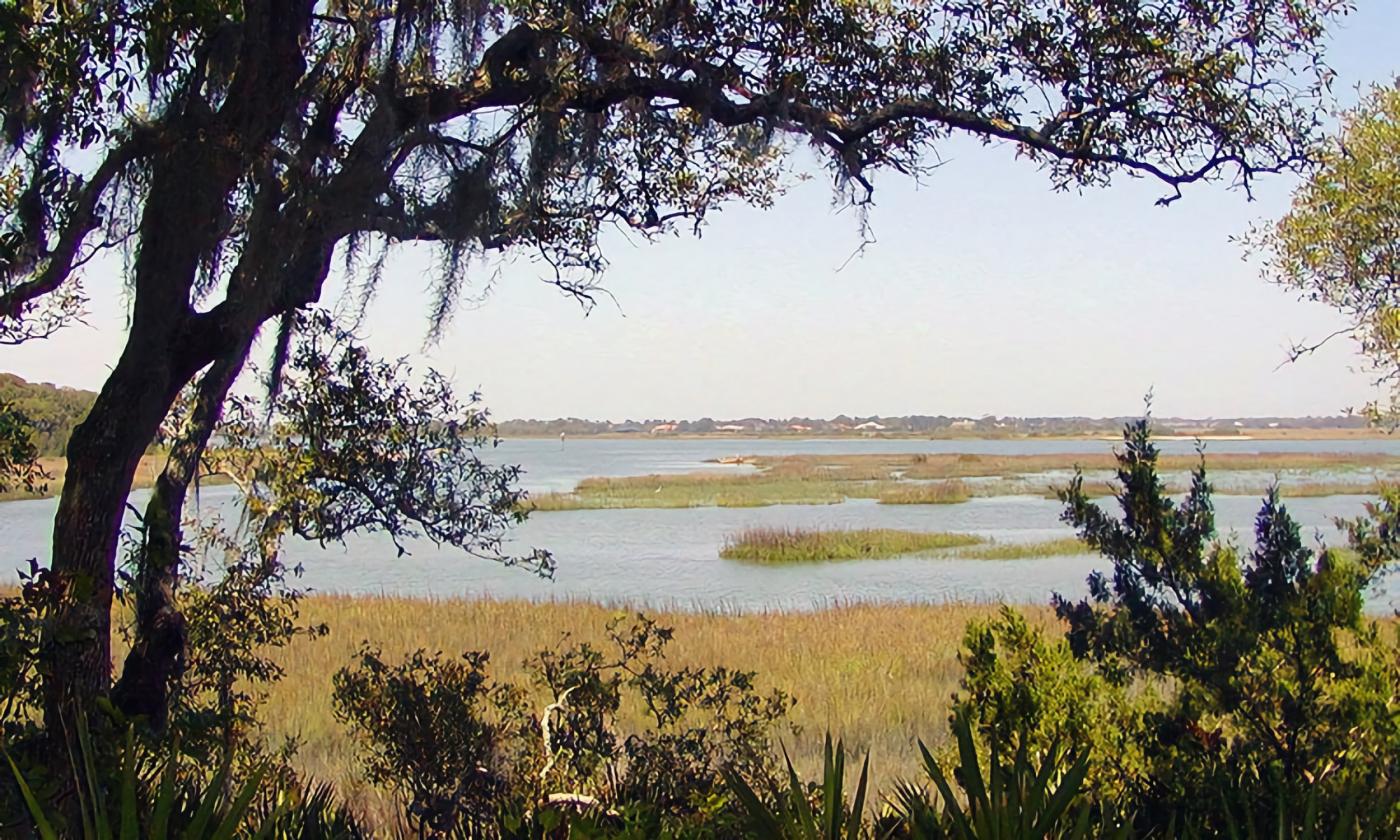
670,558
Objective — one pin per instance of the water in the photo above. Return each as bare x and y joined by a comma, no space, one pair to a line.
551,465
669,558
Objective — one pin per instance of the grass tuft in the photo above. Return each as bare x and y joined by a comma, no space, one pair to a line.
1024,551
779,546
950,492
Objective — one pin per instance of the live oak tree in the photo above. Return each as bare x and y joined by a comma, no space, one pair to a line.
235,149
1340,241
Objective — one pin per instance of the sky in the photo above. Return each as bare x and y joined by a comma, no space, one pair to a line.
984,292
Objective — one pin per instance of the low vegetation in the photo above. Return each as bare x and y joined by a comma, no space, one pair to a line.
848,671
928,465
926,493
1132,713
921,478
777,546
1025,550
53,468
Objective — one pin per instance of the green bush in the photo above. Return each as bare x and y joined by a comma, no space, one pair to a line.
1020,686
465,751
1212,686
1269,664
424,734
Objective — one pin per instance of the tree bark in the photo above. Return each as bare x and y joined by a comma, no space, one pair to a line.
102,458
203,156
156,659
159,359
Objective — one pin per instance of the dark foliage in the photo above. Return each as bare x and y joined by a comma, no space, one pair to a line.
461,748
1273,666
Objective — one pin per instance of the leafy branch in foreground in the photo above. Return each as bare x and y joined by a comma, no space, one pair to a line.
1339,243
349,445
354,446
1270,666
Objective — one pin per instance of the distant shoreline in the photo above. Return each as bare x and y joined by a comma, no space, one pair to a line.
1245,434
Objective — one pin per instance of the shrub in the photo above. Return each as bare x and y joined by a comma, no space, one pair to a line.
1020,686
465,750
1268,666
423,733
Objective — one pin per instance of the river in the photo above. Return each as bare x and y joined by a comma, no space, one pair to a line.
669,558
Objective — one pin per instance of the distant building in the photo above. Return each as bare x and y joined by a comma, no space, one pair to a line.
870,426
731,427
963,424
664,428
798,427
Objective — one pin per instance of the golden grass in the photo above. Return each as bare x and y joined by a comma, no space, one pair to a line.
777,546
949,492
928,479
1311,489
147,469
689,490
965,465
879,676
1021,551
1287,488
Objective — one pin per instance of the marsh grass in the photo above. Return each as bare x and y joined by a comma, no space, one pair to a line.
966,465
948,492
1023,551
1311,489
928,478
778,546
1288,488
879,676
147,469
690,490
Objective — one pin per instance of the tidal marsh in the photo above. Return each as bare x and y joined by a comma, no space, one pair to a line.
777,546
922,478
949,492
1024,550
878,676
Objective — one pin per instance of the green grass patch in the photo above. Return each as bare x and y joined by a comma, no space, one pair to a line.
691,490
778,546
1021,551
1286,488
927,479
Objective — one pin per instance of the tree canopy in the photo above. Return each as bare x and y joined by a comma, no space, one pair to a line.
52,410
1340,241
234,149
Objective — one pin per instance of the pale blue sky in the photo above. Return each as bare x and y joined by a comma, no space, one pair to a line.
985,292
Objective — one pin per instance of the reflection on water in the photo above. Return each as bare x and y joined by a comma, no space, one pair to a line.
670,557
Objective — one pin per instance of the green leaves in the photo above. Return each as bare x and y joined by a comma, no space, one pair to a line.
215,816
356,446
463,749
800,812
1003,797
1337,243
1263,661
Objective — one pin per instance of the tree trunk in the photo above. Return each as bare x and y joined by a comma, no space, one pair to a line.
102,458
203,155
156,659
163,352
